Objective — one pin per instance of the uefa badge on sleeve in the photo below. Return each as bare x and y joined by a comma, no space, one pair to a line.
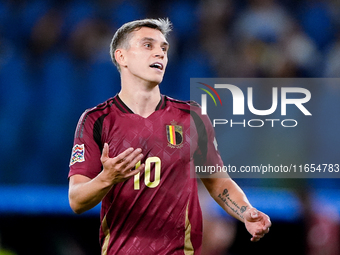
78,154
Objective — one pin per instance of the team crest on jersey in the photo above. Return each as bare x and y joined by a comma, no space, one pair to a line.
78,154
174,134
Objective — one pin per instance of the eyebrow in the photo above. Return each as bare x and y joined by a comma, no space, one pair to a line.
149,39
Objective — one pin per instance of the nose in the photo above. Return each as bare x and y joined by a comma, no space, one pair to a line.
159,53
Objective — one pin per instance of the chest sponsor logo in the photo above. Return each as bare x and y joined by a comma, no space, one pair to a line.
174,134
78,154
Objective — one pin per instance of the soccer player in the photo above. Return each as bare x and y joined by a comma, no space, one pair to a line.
134,153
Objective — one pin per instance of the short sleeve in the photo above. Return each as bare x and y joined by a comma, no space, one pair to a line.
86,151
206,155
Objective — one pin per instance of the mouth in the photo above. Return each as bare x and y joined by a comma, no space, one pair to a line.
157,65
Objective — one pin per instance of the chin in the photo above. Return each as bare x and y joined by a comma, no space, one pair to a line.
156,81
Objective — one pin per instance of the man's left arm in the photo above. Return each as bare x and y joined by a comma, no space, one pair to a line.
233,200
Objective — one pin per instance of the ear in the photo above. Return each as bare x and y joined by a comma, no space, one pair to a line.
120,57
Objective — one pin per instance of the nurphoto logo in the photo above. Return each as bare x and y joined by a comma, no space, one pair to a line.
303,95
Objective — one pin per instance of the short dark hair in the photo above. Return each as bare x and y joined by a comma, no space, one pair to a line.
121,37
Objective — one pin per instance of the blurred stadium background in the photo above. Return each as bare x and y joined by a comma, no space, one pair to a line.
54,63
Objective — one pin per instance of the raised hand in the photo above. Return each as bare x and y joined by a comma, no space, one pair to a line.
120,168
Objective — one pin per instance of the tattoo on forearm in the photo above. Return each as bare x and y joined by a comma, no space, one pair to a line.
225,197
243,209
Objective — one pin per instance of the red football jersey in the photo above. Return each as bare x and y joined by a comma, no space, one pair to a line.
157,211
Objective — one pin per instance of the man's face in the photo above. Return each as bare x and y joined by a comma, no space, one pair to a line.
146,58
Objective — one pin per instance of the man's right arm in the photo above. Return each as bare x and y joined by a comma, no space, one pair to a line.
85,193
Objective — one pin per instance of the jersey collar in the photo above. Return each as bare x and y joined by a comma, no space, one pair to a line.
125,109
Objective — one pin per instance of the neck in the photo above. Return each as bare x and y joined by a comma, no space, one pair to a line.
140,95
140,100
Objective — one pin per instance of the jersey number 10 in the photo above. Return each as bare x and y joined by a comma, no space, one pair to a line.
157,178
